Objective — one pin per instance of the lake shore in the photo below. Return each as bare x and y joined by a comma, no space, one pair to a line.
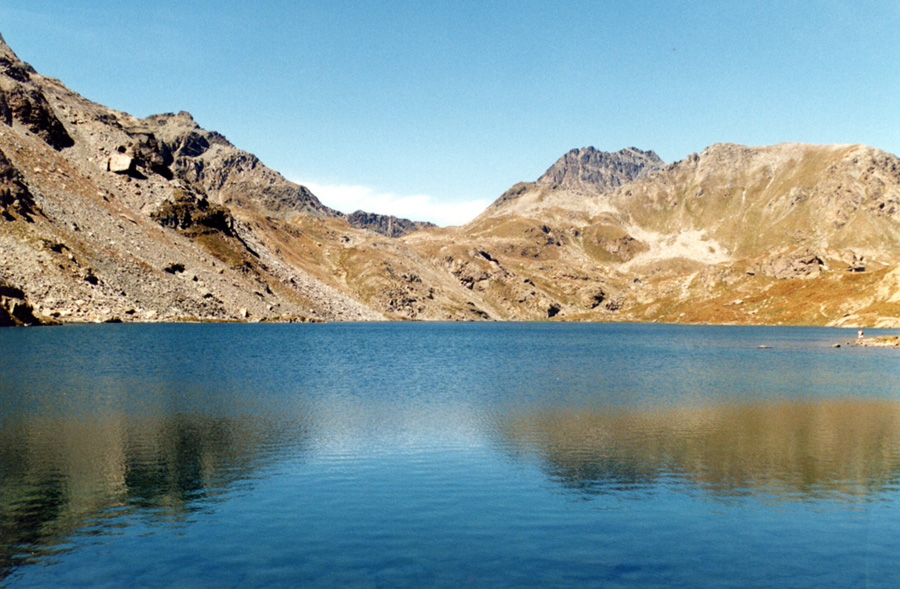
887,341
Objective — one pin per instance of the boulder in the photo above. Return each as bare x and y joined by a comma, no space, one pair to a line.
120,163
592,298
799,262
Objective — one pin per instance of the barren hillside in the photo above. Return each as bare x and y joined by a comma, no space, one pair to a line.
107,217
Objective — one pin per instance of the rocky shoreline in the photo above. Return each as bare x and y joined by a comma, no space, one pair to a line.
886,341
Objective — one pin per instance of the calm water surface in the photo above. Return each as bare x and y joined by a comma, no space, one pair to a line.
447,454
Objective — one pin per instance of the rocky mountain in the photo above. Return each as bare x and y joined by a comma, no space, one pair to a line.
108,217
592,171
385,224
749,200
782,234
576,176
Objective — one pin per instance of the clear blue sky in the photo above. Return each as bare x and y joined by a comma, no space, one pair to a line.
439,106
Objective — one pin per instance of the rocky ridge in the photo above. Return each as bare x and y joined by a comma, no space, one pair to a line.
789,233
594,172
385,224
98,206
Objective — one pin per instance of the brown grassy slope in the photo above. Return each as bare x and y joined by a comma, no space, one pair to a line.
699,241
754,199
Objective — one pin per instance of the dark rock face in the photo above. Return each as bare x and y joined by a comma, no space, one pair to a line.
192,214
592,171
593,298
385,224
150,153
15,199
193,144
14,309
29,107
15,69
21,102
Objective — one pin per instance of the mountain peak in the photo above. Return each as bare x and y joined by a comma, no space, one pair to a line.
593,171
8,56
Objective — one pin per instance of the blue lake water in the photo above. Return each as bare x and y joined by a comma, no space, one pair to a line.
391,455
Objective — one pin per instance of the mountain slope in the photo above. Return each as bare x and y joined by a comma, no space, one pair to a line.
105,216
566,187
752,199
782,234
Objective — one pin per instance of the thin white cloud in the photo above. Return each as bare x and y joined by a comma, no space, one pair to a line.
417,207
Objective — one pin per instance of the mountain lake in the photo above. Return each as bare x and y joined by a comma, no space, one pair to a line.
447,454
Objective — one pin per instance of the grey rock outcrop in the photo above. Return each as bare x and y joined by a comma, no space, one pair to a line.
192,213
787,263
592,171
388,225
15,199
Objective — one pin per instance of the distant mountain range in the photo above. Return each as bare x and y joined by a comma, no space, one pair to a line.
107,217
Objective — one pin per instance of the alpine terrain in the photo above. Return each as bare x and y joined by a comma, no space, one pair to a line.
109,217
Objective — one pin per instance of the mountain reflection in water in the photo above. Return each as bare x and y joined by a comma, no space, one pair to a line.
442,454
60,476
789,451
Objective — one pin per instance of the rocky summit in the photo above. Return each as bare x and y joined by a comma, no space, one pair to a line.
109,217
592,171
